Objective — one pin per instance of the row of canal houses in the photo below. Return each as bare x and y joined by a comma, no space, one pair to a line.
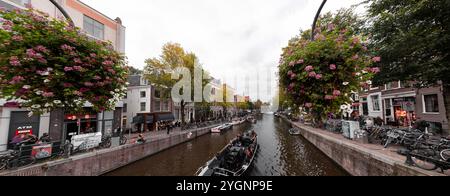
141,97
401,104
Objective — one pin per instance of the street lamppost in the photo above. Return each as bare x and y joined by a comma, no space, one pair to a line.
316,18
63,11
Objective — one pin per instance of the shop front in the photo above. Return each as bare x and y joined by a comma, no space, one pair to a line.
404,111
20,123
88,123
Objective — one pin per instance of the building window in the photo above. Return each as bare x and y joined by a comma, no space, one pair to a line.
143,94
431,103
166,106
124,121
157,94
157,106
143,106
388,107
93,27
126,95
125,108
376,102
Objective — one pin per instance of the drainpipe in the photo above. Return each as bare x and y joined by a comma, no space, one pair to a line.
64,12
316,18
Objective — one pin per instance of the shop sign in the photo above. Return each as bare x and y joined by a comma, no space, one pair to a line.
86,141
24,130
42,151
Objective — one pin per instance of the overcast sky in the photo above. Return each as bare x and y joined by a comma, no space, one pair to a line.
234,39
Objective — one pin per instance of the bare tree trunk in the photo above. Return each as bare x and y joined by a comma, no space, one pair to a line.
446,94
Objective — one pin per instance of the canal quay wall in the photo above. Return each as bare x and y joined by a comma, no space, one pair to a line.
103,161
359,159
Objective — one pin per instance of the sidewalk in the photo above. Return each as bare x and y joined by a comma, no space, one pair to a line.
375,149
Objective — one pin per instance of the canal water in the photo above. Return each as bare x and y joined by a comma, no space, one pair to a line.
280,154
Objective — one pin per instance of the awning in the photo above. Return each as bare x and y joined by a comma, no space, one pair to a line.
166,117
140,119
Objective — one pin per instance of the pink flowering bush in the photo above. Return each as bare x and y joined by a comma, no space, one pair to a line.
329,68
45,64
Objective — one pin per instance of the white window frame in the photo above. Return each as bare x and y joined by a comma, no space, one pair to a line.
373,103
425,106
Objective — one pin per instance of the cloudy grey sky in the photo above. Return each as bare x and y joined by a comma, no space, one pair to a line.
234,39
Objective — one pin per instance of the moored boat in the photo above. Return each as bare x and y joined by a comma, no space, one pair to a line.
294,131
235,159
221,128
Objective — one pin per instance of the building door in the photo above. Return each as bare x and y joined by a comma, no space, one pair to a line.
20,123
365,109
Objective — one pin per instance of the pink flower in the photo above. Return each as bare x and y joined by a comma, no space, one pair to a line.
7,27
107,63
48,94
68,85
93,55
293,76
14,61
308,105
309,68
41,48
337,93
83,90
17,38
376,59
290,73
31,53
331,27
292,64
66,47
67,69
301,61
77,60
78,93
356,57
11,105
355,40
312,74
16,80
42,60
97,78
77,68
319,76
329,97
111,71
375,70
88,84
333,67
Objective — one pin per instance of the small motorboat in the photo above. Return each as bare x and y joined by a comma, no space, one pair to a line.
238,122
235,159
294,131
221,128
251,120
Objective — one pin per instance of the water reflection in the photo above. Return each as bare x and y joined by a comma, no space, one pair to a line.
280,154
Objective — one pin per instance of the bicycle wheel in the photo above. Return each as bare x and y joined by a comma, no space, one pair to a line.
123,140
419,159
445,155
3,165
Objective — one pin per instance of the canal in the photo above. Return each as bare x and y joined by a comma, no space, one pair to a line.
280,154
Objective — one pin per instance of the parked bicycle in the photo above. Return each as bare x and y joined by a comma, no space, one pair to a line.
430,155
15,159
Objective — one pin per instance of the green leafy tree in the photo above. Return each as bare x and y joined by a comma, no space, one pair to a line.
159,71
413,39
46,64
